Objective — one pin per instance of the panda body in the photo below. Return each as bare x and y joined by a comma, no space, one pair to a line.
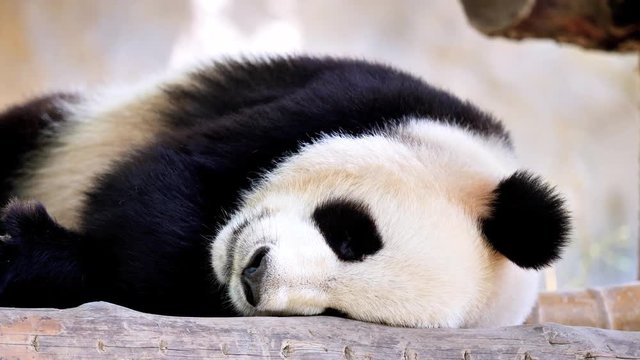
277,187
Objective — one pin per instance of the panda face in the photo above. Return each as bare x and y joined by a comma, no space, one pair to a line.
364,226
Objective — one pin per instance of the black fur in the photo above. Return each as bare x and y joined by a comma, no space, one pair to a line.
348,229
151,221
145,233
316,95
22,129
41,264
529,223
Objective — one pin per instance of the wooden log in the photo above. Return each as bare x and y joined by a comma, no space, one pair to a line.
612,307
102,330
599,24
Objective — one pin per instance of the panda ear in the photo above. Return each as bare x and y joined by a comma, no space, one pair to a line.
528,222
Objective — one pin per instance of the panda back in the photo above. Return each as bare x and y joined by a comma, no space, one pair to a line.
273,105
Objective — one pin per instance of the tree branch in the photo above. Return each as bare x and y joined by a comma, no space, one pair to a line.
599,24
104,330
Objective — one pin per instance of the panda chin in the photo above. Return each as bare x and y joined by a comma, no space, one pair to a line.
311,311
244,307
278,304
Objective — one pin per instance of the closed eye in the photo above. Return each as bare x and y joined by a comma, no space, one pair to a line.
348,229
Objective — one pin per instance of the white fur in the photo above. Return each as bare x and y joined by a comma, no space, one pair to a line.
426,184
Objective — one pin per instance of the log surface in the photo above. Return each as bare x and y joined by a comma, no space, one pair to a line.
102,330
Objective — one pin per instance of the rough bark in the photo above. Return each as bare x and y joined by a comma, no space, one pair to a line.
599,24
102,330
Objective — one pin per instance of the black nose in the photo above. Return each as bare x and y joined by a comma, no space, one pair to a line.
253,274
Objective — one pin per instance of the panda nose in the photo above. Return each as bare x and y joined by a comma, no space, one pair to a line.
253,274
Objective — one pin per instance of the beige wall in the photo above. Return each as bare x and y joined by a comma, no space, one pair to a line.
53,44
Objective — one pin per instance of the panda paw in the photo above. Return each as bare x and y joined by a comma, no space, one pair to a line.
27,221
29,239
7,254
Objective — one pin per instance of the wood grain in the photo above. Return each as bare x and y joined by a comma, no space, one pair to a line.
102,330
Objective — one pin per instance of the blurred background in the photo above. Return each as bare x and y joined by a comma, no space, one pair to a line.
573,113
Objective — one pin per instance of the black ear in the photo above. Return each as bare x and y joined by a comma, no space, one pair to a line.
528,222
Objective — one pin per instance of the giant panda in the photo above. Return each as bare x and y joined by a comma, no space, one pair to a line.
278,186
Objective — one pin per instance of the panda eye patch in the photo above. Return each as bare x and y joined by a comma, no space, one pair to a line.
348,229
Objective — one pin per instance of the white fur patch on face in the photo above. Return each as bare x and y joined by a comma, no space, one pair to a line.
434,268
298,287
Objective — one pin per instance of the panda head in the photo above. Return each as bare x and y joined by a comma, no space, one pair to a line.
382,232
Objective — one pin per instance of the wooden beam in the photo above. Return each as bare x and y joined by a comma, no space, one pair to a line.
613,307
102,330
598,24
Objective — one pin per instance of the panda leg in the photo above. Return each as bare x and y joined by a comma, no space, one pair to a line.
41,263
22,129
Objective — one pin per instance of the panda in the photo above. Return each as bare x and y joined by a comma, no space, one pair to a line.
279,186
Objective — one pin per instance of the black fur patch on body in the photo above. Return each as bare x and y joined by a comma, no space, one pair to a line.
529,223
348,229
148,220
22,129
317,95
